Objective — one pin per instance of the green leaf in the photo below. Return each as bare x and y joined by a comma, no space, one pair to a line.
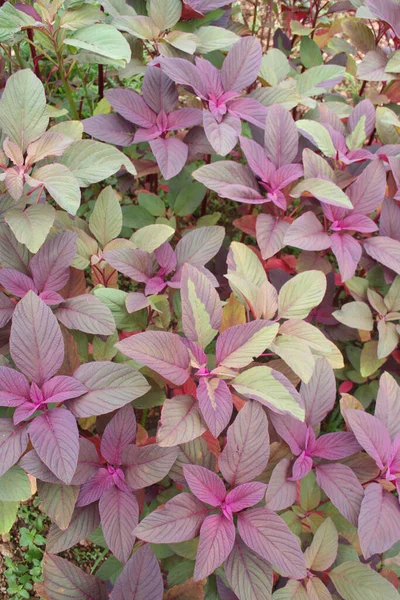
213,38
358,136
32,225
360,34
310,54
115,300
105,350
187,42
322,552
15,485
369,361
323,190
165,13
92,161
274,67
318,135
106,219
103,40
189,198
151,203
136,217
393,65
23,110
151,237
8,515
355,314
264,385
141,27
355,581
60,184
11,21
310,493
317,80
301,294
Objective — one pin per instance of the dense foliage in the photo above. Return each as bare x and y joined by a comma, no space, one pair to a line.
200,296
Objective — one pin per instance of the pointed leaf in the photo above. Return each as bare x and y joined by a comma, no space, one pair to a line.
343,488
181,421
355,581
106,219
86,313
50,266
205,484
58,502
119,513
322,552
301,294
371,434
119,433
239,345
13,443
215,402
65,581
147,465
217,536
248,574
242,65
141,578
379,523
84,521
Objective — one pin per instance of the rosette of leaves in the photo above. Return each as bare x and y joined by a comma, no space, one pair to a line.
47,273
24,119
153,112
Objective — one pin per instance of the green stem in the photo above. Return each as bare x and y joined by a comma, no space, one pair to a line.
98,560
144,418
67,88
253,29
18,56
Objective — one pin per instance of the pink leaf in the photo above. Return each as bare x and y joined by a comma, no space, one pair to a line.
368,191
13,443
257,159
379,521
131,106
348,253
267,534
60,574
249,109
205,484
119,433
178,521
133,263
55,437
249,576
301,466
181,421
184,72
237,346
161,351
281,139
62,388
319,393
247,449
343,488
307,233
217,537
159,92
50,265
84,521
112,129
183,118
242,65
16,283
292,430
334,446
270,233
222,135
170,154
245,495
119,513
387,407
92,490
371,434
6,309
147,465
141,578
281,492
215,402
385,250
14,387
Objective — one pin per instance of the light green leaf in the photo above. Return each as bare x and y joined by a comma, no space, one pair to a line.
186,42
23,110
151,237
310,54
165,13
72,129
387,125
104,40
301,294
358,136
322,552
274,66
324,191
360,34
60,184
317,80
8,515
106,219
115,300
318,135
296,354
32,225
355,581
189,198
369,361
266,386
141,27
15,485
76,19
393,65
214,38
11,21
355,314
310,493
293,590
300,29
315,340
92,161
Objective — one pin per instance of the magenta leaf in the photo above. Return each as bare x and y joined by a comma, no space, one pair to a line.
93,489
371,434
86,313
147,465
16,283
379,522
281,492
319,393
337,445
64,580
13,443
119,513
246,452
343,488
131,106
205,484
54,435
217,537
61,388
178,521
161,351
307,233
50,265
215,402
159,92
36,341
119,433
245,495
249,575
14,387
88,462
264,532
348,253
141,578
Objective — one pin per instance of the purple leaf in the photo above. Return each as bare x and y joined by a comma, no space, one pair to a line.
132,262
379,521
343,489
385,250
366,109
50,265
119,433
246,452
181,421
319,393
301,466
387,408
307,233
93,490
281,492
16,283
141,578
88,462
230,180
371,434
368,191
159,92
217,537
242,64
225,593
257,159
36,341
267,534
119,513
161,351
88,314
170,154
6,309
14,387
237,346
184,117
110,386
136,301
205,484
389,223
131,106
112,129
249,576
198,247
55,437
348,253
32,464
147,464
215,402
270,233
61,388
281,139
184,72
13,443
178,521
222,135
292,430
249,109
356,222
64,580
83,523
334,446
245,495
